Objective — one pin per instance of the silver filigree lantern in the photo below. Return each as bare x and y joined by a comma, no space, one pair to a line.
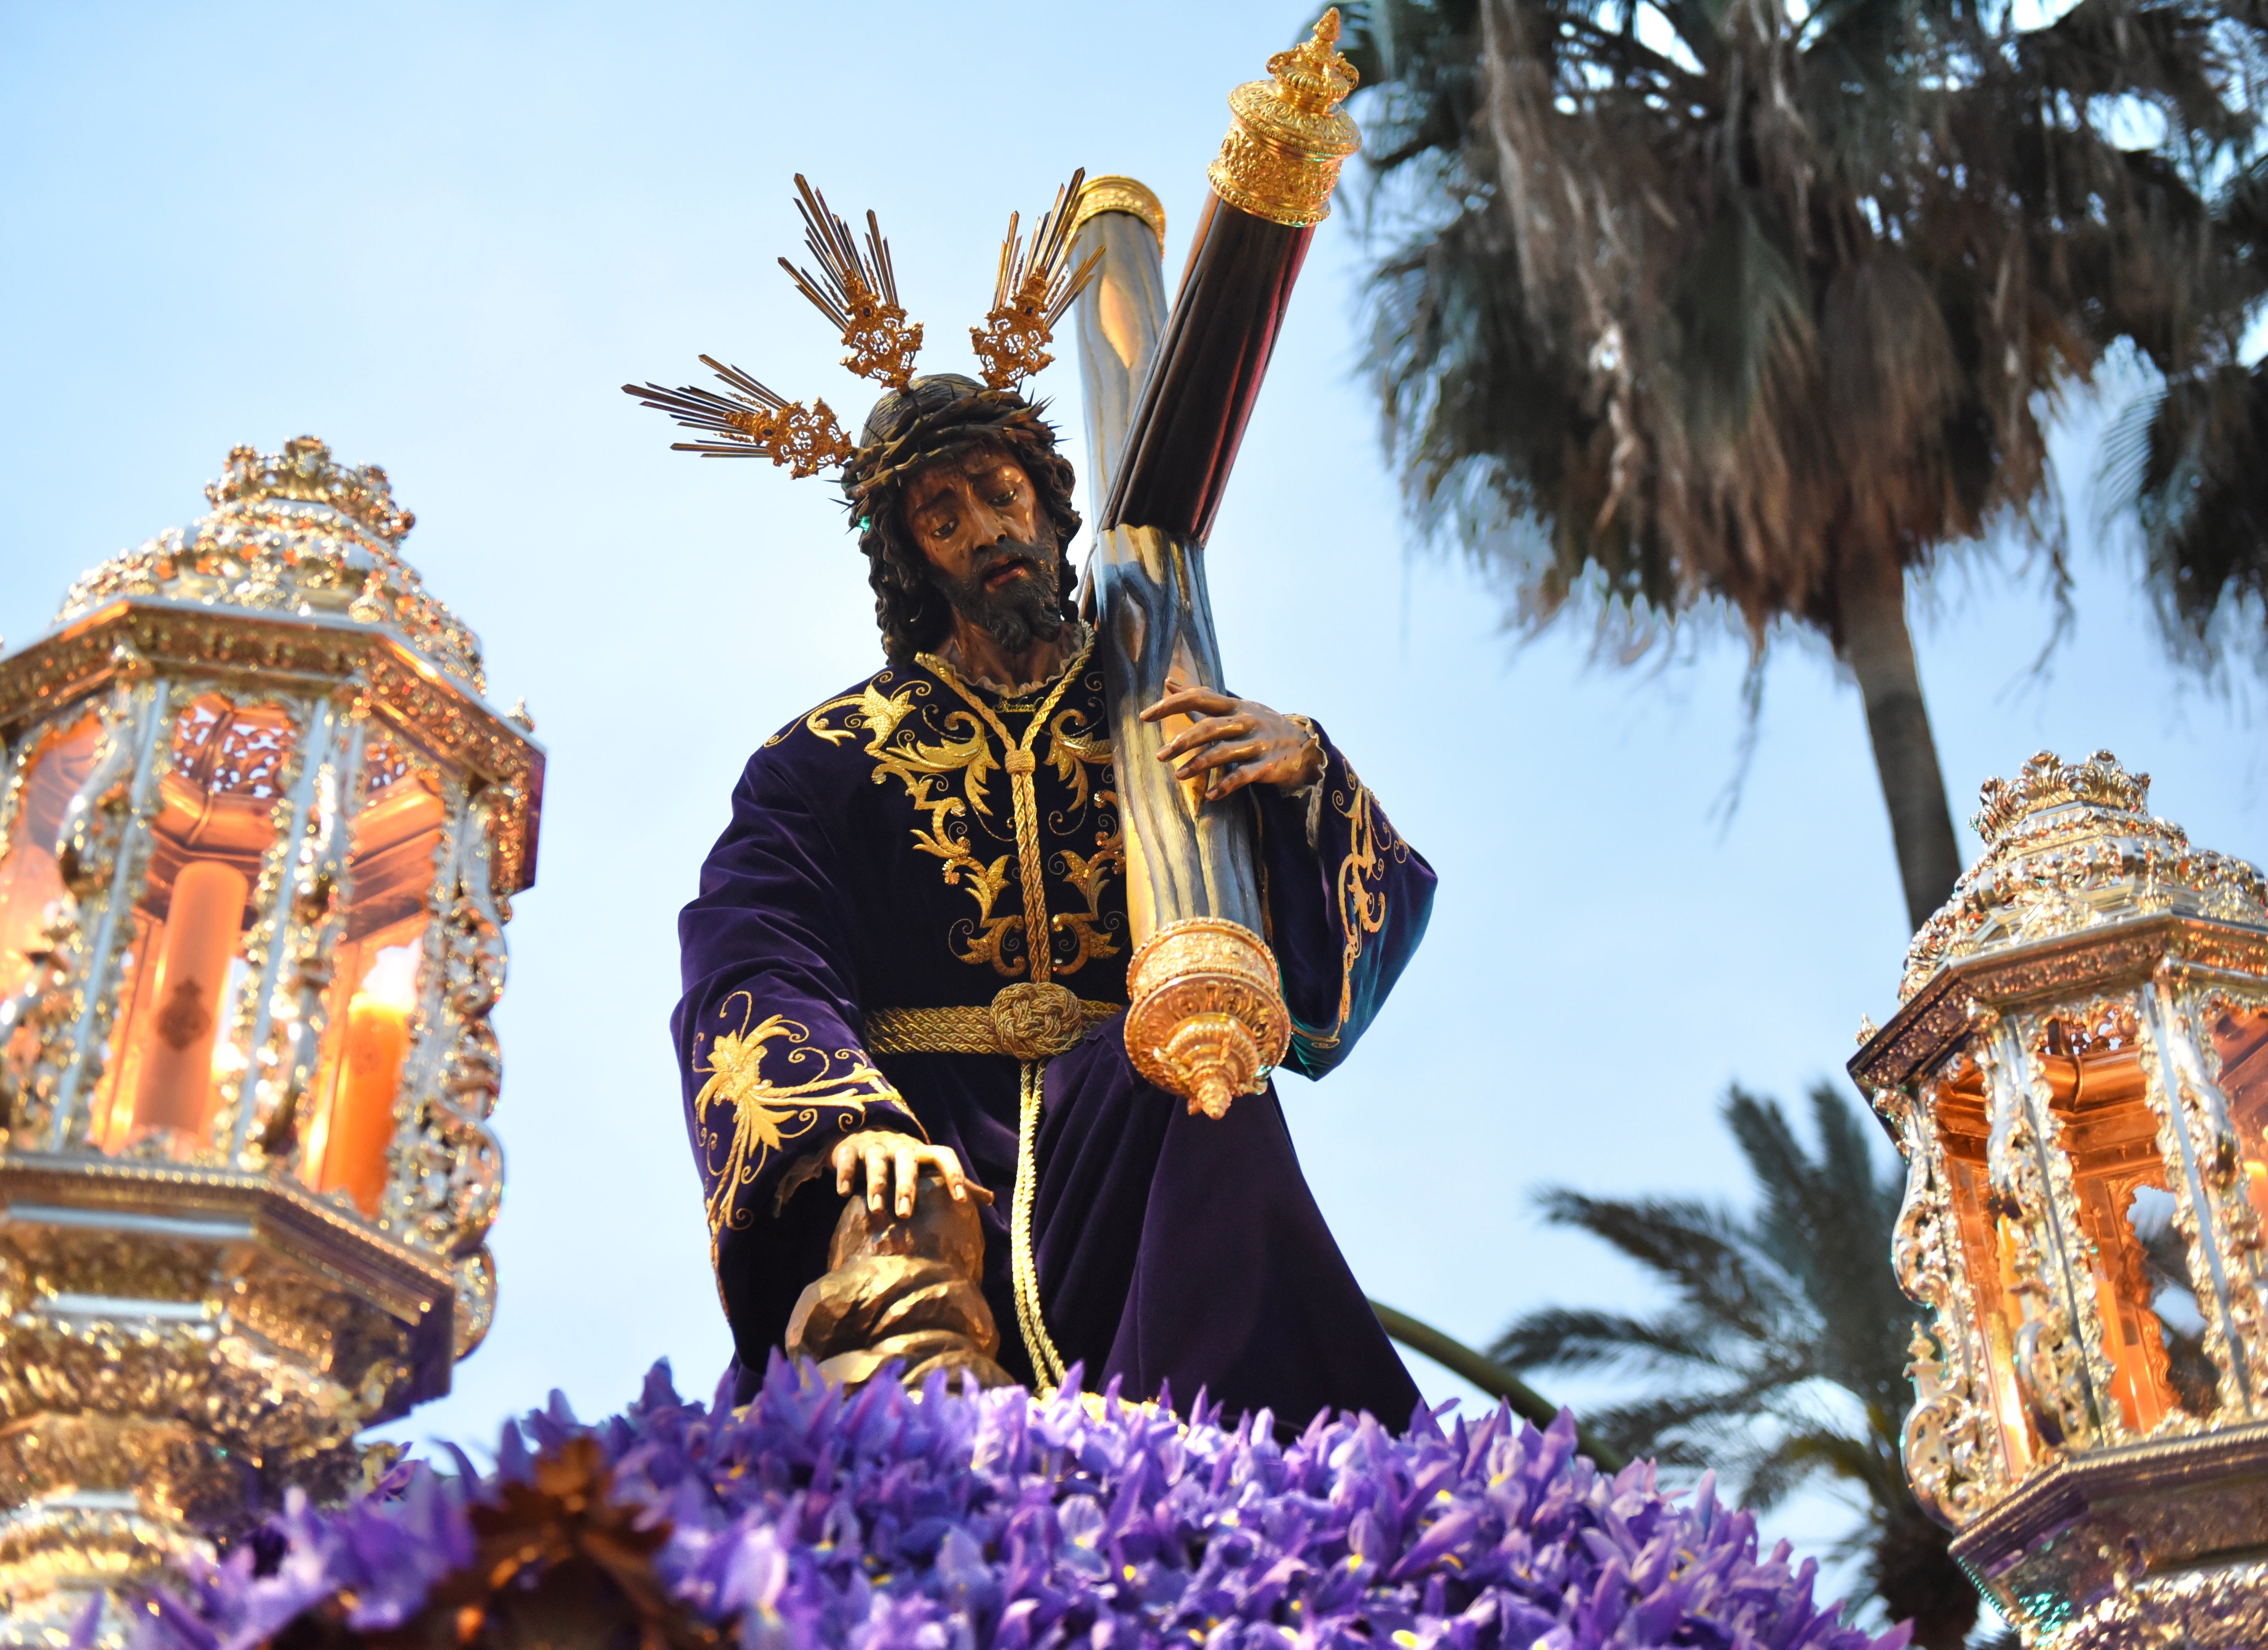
258,837
2079,1080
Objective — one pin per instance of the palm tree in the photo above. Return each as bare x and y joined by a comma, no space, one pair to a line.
1759,305
1782,1356
2193,459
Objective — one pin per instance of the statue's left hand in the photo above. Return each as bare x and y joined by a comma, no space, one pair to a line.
1232,742
879,1151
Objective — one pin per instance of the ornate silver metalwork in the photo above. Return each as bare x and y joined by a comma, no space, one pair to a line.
258,838
2078,1078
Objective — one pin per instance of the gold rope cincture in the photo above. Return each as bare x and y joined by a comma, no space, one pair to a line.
960,1029
1039,951
1023,1266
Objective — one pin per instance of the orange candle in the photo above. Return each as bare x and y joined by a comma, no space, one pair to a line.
175,1091
362,1116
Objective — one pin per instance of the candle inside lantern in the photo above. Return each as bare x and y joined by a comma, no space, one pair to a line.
175,1090
377,1040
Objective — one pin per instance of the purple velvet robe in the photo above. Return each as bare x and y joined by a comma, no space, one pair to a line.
871,863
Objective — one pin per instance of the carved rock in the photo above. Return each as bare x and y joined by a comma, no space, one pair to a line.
909,1289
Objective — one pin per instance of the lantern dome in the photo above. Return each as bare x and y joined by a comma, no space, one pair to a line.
2072,846
293,534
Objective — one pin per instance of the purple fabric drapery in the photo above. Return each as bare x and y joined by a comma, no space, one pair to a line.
871,863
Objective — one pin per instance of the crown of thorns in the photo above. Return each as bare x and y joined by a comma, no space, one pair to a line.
857,289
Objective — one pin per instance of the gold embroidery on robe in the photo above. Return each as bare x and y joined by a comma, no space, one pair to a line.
1071,749
1361,907
765,1114
946,758
892,726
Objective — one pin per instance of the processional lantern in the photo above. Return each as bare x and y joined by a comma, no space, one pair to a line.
2078,1078
257,841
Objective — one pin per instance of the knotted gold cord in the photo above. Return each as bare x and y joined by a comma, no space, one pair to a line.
1039,937
1039,948
1023,1266
964,1030
1021,763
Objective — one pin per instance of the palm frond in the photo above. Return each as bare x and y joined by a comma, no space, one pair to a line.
1563,1338
1687,1429
1829,1220
1646,337
2201,491
1704,1253
1781,1358
1746,331
1797,1457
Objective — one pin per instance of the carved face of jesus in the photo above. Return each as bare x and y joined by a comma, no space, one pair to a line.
978,521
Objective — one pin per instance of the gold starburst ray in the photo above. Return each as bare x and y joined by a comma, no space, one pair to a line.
1032,290
754,422
855,287
858,291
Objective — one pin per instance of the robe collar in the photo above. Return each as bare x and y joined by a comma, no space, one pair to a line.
946,661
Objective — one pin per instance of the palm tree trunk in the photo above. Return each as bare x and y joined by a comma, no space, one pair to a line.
1879,648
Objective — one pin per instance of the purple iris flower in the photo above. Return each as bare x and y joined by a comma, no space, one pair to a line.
884,1519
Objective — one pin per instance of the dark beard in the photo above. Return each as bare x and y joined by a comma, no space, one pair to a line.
1026,609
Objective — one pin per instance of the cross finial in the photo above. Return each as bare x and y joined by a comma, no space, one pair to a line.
1313,76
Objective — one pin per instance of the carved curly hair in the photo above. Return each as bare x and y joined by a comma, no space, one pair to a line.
938,417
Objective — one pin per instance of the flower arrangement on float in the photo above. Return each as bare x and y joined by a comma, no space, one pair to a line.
890,1520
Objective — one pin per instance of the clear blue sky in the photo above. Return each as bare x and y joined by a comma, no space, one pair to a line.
438,236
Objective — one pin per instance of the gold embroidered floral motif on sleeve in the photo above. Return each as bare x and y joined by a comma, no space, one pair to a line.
1358,888
869,710
748,1113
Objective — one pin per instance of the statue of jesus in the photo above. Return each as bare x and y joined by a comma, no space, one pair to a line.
905,972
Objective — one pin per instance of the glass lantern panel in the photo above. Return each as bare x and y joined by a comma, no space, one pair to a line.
2238,1032
394,843
1957,1103
30,884
2153,1327
180,1040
